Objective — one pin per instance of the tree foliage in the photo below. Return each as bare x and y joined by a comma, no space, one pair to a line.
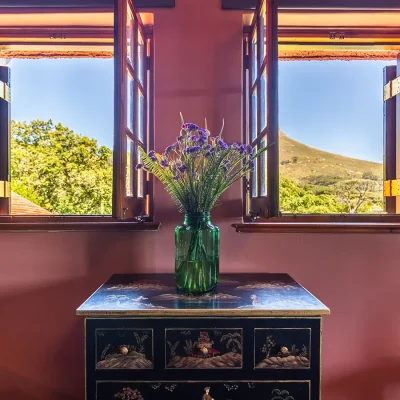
59,170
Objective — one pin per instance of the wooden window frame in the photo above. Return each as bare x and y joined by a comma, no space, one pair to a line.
139,214
263,214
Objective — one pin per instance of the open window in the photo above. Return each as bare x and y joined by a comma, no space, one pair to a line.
55,35
342,181
261,88
133,47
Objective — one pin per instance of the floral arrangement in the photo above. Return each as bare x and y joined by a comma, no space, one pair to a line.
198,167
128,394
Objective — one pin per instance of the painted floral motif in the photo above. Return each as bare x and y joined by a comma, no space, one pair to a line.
128,394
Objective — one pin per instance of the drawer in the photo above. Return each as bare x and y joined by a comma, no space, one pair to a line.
282,348
124,348
204,348
203,390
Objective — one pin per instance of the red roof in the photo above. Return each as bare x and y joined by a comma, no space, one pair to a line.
22,206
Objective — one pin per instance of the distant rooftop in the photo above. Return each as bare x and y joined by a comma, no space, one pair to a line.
22,206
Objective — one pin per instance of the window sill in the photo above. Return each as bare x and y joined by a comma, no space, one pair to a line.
318,227
73,224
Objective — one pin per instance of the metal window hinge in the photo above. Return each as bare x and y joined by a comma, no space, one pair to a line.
247,183
391,188
142,217
246,61
253,216
147,188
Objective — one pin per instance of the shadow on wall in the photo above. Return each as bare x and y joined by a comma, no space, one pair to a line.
380,382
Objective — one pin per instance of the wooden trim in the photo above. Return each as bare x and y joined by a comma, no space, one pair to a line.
318,227
315,4
35,224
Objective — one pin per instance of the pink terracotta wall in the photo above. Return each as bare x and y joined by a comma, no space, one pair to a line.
45,276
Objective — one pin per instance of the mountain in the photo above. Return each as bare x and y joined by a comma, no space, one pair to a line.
306,164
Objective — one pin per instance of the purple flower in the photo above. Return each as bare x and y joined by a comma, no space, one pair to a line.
227,165
207,147
151,153
182,168
194,174
139,166
222,144
168,149
176,177
176,145
179,138
242,149
249,149
189,127
251,165
202,131
153,158
202,140
235,146
208,154
193,137
164,163
192,149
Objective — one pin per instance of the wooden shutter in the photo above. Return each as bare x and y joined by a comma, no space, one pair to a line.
5,122
261,85
391,138
132,102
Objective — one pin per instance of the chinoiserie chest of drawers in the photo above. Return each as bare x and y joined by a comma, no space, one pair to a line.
257,337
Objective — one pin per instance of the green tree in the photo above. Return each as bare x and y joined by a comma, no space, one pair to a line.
298,200
59,170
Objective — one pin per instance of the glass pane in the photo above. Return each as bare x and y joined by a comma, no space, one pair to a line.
254,178
254,115
262,34
263,100
129,35
141,55
254,57
263,168
129,175
140,115
129,101
139,176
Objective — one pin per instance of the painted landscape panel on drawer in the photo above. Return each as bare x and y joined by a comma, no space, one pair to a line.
203,390
208,348
124,348
282,348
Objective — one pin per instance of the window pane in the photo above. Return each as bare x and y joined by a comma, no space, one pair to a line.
254,57
61,164
129,175
263,168
254,115
129,102
141,55
263,100
140,115
139,176
262,35
129,35
254,184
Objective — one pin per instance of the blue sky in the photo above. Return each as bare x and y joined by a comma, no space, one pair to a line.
333,105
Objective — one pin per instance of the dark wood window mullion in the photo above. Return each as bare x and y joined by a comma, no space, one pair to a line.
272,109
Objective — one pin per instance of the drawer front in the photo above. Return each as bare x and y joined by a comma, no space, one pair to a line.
209,350
203,390
282,348
204,348
124,348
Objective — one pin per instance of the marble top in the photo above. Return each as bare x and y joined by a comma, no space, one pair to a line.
236,295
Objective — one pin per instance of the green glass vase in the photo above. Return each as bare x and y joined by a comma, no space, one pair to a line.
196,254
